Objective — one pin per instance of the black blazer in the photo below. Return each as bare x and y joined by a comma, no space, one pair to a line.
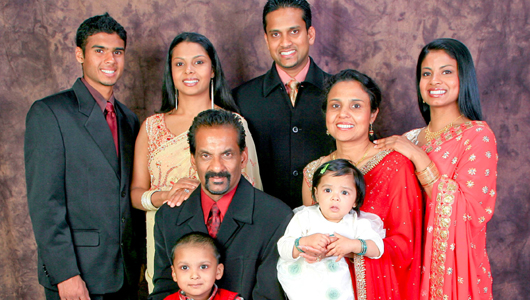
78,191
287,138
248,234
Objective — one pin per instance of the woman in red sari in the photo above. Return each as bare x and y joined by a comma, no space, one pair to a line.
392,191
456,155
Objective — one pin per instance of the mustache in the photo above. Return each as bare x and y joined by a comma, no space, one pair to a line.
210,174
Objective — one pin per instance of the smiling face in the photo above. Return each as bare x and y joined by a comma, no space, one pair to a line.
191,69
218,160
348,112
195,269
288,39
103,60
336,196
439,83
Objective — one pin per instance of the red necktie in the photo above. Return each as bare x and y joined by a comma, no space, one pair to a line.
214,220
113,124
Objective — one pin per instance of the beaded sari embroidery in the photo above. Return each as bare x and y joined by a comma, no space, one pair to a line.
456,264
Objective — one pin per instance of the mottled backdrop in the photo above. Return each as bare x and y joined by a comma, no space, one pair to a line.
379,37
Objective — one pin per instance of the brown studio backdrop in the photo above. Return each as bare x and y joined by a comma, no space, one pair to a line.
381,38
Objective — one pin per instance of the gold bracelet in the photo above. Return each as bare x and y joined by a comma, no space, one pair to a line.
429,175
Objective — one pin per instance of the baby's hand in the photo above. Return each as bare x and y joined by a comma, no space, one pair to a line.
340,247
317,241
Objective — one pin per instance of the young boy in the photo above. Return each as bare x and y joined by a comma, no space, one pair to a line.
195,268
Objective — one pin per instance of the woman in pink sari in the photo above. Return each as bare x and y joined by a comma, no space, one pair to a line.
456,159
392,191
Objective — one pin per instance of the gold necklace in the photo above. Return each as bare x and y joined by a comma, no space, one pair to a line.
429,135
333,156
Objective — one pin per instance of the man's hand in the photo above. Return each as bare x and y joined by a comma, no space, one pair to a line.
73,289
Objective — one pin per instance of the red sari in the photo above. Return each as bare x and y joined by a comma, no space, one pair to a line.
392,193
455,263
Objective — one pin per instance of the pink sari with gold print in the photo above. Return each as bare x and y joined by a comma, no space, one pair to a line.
455,262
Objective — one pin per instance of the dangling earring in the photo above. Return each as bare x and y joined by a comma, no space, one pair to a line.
176,99
211,93
371,132
327,132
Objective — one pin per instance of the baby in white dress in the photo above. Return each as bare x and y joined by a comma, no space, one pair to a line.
332,227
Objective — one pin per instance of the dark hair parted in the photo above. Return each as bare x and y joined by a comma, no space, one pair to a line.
273,5
367,83
468,96
222,93
340,167
197,239
214,118
96,24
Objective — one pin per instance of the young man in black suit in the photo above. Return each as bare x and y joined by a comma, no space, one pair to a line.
246,222
78,152
283,106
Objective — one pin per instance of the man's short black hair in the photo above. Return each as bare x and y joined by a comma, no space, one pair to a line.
273,5
96,24
216,117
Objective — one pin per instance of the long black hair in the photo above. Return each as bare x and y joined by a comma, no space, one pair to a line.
222,93
468,96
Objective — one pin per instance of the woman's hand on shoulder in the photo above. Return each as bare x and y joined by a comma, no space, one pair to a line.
181,191
397,143
401,144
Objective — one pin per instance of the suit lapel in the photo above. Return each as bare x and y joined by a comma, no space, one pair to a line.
126,138
192,213
96,124
238,214
272,81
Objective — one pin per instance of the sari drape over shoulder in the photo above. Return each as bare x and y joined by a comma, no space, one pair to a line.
392,193
169,161
455,262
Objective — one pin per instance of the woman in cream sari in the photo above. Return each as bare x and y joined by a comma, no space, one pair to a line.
162,173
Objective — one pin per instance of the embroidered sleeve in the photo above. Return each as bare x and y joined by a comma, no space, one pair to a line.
310,169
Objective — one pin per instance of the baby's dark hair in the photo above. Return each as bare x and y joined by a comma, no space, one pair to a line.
199,239
340,167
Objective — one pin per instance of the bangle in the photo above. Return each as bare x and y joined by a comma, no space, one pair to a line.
297,245
364,247
429,175
146,200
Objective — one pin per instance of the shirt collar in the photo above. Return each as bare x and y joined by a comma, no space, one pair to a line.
101,101
182,294
223,203
300,77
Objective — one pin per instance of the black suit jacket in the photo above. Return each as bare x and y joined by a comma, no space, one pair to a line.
248,235
78,191
287,138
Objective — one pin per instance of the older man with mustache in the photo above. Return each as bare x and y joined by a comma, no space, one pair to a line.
245,222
